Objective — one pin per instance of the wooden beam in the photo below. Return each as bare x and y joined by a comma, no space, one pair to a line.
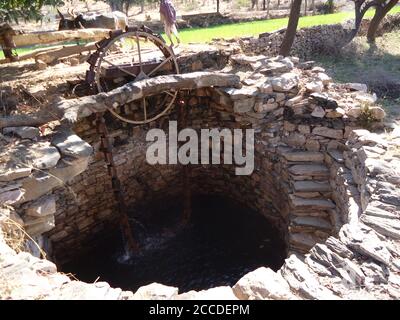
34,38
52,55
31,54
72,110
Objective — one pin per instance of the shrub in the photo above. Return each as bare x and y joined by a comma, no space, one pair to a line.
326,7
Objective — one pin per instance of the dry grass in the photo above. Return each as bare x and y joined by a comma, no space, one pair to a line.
377,66
15,235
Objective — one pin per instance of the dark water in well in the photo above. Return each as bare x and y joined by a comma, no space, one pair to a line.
222,242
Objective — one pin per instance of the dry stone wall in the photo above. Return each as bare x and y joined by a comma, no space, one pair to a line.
313,40
331,188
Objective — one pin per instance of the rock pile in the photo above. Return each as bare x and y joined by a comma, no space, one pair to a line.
310,41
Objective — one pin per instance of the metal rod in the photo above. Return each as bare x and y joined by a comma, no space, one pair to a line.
144,109
159,66
139,53
120,68
106,148
187,191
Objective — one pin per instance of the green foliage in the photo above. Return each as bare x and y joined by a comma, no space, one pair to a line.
123,5
366,118
12,10
327,7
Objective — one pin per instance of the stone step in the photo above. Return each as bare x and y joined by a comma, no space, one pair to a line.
309,170
311,213
313,222
304,156
302,240
307,195
311,204
311,186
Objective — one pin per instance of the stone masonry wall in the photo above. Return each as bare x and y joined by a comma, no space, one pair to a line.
301,120
313,40
331,187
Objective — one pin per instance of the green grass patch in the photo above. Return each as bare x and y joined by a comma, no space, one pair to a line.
254,28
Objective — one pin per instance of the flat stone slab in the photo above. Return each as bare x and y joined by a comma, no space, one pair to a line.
309,170
23,132
15,174
285,82
35,226
311,186
337,155
155,291
364,240
305,156
45,157
11,196
247,60
302,203
384,226
328,132
70,144
242,93
357,86
303,240
42,207
261,284
314,222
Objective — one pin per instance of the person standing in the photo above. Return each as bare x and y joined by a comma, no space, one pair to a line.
168,16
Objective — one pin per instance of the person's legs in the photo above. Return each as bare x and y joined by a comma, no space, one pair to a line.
176,34
168,30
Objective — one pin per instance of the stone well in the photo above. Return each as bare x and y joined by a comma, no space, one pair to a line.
318,178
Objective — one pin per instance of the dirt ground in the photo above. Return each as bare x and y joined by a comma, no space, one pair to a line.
25,89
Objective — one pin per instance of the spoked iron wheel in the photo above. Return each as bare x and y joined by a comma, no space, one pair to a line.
134,55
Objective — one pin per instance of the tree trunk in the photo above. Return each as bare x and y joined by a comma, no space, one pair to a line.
218,6
380,13
305,7
70,110
268,6
141,6
291,28
360,9
116,5
313,6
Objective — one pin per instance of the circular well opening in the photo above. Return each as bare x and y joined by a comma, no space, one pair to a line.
222,241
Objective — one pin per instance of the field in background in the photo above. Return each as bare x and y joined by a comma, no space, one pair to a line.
256,27
378,67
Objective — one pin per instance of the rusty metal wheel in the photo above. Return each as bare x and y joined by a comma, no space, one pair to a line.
134,55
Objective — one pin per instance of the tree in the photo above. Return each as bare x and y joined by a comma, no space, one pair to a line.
380,13
291,28
361,7
268,6
124,5
24,9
